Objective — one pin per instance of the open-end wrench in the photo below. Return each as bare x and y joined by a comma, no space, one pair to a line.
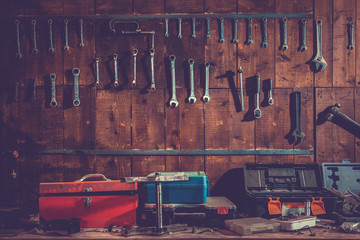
51,43
320,63
34,50
257,111
206,96
192,98
18,53
97,72
152,53
298,134
303,35
34,89
249,32
264,43
193,28
351,36
221,30
53,102
166,27
240,71
134,53
235,39
270,100
284,45
76,73
81,44
179,25
116,82
66,47
207,27
173,102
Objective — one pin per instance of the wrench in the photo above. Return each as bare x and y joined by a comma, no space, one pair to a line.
179,23
173,102
34,50
351,36
206,97
264,43
207,27
97,72
249,32
53,102
51,45
76,73
66,47
270,100
240,71
18,53
192,98
235,39
284,45
193,28
81,33
257,111
116,82
320,63
221,30
166,27
34,89
134,53
303,35
298,134
152,53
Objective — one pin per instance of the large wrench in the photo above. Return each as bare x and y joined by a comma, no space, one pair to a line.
192,98
173,102
34,50
320,63
18,53
221,30
166,27
206,96
207,27
298,134
193,28
81,44
66,47
284,45
134,53
53,102
241,88
303,35
116,82
179,25
76,73
257,111
249,32
152,53
270,100
97,72
264,43
51,44
351,36
235,39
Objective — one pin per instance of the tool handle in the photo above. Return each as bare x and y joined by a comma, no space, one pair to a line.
257,83
270,84
93,175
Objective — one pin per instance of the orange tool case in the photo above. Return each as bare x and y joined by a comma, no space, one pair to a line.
98,204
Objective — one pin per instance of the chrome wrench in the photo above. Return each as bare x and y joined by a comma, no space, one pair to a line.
235,39
192,98
303,35
193,28
53,102
116,82
249,32
18,53
179,25
152,53
298,134
173,102
284,45
76,73
34,50
264,43
97,72
351,36
320,63
240,71
207,27
134,53
66,47
257,111
51,43
81,33
270,100
166,27
206,97
221,30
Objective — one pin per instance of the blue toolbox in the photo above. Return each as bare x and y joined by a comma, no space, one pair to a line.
195,190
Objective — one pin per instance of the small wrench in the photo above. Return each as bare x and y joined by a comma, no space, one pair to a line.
76,73
351,36
34,50
193,28
179,25
166,27
66,47
53,102
284,45
81,33
97,72
206,97
34,89
270,100
134,53
207,27
320,63
264,43
116,82
18,53
152,53
249,32
257,111
173,102
221,30
235,39
303,46
192,98
51,44
240,71
298,134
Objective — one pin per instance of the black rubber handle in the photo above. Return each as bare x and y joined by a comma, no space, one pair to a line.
257,83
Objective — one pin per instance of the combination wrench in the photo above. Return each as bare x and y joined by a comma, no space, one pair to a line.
207,27
284,45
249,32
152,53
134,53
206,97
97,72
116,81
235,39
298,134
53,102
270,100
193,28
51,43
257,111
81,44
240,71
320,63
264,43
18,53
303,46
221,30
166,27
173,102
34,89
179,25
192,98
66,47
351,36
76,73
34,50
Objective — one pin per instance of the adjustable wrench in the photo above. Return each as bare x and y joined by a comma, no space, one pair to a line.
179,25
152,53
257,111
18,53
97,72
193,28
66,47
53,102
221,30
241,88
81,44
192,98
235,39
320,63
134,53
303,35
351,36
284,45
264,43
76,73
173,102
34,89
51,44
270,100
249,32
34,50
206,96
116,82
298,134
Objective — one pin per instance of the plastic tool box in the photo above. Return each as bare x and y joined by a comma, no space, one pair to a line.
211,213
95,203
249,226
195,190
269,186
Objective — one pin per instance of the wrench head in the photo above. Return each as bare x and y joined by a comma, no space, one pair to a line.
270,101
193,35
174,103
66,48
206,98
53,103
51,50
248,42
350,47
284,47
257,113
35,51
76,102
235,41
18,55
320,64
264,44
299,136
153,88
133,84
302,48
81,45
221,40
192,100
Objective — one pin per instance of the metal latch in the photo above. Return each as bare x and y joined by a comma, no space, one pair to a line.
87,200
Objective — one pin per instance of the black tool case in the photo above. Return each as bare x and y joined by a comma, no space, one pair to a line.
284,183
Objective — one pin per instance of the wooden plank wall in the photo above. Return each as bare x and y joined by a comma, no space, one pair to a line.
126,118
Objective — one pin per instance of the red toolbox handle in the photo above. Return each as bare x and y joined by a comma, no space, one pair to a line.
93,175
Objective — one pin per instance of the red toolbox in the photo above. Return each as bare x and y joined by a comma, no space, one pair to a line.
98,204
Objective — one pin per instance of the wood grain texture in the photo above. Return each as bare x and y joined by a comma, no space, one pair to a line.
52,168
113,6
256,6
357,119
144,165
42,7
294,6
356,39
343,59
79,7
77,166
184,163
11,8
113,120
149,7
113,167
333,143
221,6
186,6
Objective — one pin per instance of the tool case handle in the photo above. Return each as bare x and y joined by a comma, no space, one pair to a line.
93,175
